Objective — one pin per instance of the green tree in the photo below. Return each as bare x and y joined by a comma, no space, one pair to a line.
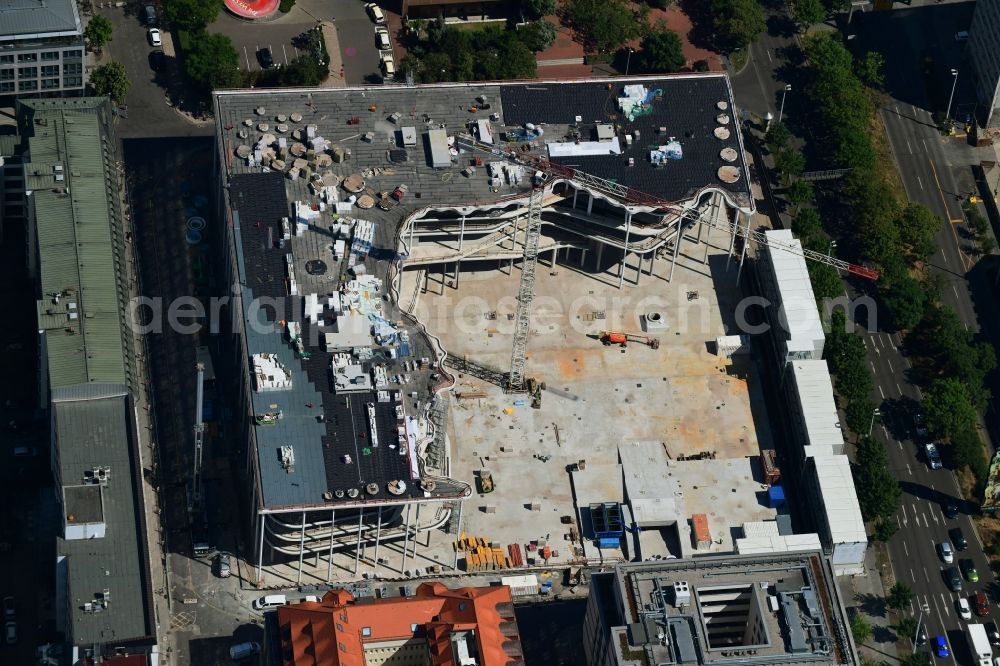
110,79
98,32
916,659
777,136
903,298
947,406
917,226
538,35
808,12
884,529
737,22
906,628
790,163
801,192
860,628
825,280
878,491
604,25
870,69
213,63
807,225
535,9
967,450
661,52
899,597
303,71
192,14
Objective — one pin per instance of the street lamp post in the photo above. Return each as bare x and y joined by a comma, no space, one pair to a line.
781,109
833,246
954,80
871,426
628,61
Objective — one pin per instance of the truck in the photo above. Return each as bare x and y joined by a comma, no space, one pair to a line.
979,644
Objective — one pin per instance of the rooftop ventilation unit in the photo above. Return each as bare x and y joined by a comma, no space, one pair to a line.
682,593
287,454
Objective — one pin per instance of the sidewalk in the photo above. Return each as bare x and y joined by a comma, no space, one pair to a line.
869,599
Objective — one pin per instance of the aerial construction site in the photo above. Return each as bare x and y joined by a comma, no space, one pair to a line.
494,326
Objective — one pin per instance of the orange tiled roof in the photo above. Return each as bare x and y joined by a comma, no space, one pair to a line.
330,632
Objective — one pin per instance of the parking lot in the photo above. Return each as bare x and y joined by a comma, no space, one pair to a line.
355,34
153,95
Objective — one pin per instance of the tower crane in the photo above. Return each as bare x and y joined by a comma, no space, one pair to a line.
545,171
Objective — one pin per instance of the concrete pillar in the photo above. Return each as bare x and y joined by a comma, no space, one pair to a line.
590,203
732,241
575,192
413,228
600,251
406,537
458,530
677,250
378,537
329,562
458,267
416,524
357,551
260,547
461,235
743,254
628,230
583,256
302,546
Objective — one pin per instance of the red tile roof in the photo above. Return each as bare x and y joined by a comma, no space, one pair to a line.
329,632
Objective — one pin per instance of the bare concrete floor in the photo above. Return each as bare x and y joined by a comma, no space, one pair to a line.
597,397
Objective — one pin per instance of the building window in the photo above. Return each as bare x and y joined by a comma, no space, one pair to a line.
50,55
25,86
73,53
27,57
6,59
7,74
73,68
50,70
6,86
343,648
49,84
27,72
71,81
366,631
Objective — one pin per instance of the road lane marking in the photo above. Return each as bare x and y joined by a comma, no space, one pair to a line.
873,367
891,369
908,147
284,54
899,389
247,56
920,394
905,549
881,392
920,182
926,524
768,52
954,289
900,445
908,470
944,602
926,576
947,212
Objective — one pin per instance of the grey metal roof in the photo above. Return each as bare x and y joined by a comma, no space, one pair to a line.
71,175
98,433
36,18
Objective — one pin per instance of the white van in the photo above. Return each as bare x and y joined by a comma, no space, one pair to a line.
269,601
241,651
388,66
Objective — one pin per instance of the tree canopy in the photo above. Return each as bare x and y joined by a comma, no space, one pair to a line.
808,12
212,62
192,14
947,406
737,22
900,595
878,491
484,55
661,51
98,32
605,25
535,9
110,79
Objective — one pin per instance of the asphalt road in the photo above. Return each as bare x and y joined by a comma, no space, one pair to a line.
936,172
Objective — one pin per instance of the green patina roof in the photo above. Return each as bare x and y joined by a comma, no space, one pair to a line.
72,193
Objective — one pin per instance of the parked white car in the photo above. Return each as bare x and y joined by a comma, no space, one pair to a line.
375,12
382,39
154,37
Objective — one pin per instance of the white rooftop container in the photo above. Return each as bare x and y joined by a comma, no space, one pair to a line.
437,142
803,334
814,390
834,485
